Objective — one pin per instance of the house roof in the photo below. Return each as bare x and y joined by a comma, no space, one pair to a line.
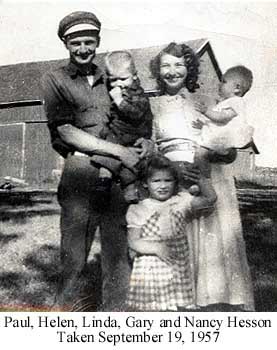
22,81
255,149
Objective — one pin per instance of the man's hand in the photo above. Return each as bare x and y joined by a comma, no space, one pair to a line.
116,95
129,158
144,148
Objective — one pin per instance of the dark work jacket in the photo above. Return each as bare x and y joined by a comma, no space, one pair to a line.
69,99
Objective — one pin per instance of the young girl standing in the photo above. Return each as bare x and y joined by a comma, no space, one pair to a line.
161,278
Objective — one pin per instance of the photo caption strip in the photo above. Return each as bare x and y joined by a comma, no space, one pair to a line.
150,330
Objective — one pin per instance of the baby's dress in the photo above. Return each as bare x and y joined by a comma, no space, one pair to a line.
156,285
237,133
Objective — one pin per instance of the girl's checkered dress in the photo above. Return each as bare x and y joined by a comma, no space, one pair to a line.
156,285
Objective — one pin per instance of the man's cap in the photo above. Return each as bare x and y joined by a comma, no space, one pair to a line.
78,21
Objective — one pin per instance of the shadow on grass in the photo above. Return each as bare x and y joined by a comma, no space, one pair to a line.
11,280
263,264
266,299
90,295
36,286
44,262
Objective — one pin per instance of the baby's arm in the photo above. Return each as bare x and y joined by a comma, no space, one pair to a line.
205,201
221,117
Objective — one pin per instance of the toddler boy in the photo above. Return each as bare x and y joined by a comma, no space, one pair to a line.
130,119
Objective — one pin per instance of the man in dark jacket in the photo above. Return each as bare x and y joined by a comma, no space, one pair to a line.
76,105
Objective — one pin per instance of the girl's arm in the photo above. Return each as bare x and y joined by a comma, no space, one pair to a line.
206,199
148,247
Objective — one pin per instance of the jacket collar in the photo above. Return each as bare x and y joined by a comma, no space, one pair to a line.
74,71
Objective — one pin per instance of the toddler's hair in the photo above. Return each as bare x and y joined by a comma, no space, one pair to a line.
244,74
157,163
191,61
117,60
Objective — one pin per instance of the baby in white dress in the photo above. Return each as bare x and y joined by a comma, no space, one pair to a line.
226,125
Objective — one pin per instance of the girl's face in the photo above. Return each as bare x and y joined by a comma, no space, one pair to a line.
173,73
161,185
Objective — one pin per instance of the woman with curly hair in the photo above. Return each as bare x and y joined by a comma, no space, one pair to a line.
218,255
176,70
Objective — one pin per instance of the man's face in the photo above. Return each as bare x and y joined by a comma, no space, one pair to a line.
82,48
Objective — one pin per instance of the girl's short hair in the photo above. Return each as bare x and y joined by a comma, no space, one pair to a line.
157,163
191,61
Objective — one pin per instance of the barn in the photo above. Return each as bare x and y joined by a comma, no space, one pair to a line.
25,149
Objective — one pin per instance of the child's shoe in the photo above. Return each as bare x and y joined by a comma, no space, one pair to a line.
194,190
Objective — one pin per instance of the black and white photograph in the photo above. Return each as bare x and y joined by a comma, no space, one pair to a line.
138,168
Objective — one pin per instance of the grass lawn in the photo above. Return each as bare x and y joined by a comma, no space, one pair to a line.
29,250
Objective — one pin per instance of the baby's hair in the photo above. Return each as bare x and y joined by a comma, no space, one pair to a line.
244,74
119,59
191,61
157,163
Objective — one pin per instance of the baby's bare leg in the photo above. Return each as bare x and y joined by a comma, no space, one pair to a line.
105,173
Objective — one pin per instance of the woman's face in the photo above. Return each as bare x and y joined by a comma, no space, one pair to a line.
173,73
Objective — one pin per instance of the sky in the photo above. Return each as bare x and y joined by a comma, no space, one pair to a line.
242,32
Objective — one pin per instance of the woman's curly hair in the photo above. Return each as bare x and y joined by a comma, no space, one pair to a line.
191,62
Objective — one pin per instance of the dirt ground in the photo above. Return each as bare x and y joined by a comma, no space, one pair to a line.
29,250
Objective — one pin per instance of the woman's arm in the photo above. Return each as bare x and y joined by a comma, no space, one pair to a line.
227,158
206,199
